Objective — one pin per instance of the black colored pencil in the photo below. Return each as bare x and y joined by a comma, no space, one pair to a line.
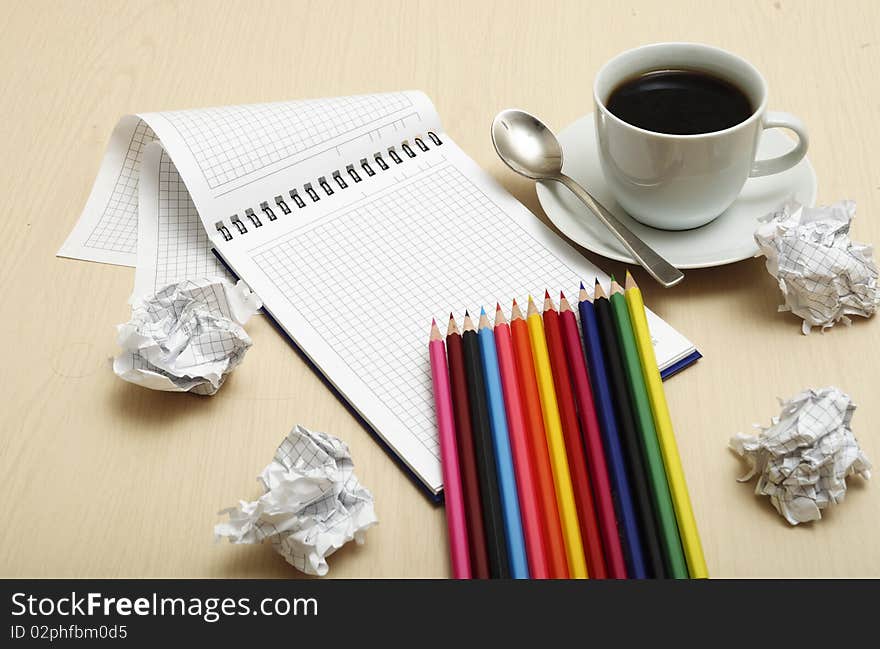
629,438
493,521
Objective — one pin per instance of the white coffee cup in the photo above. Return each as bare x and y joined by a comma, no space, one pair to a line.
678,182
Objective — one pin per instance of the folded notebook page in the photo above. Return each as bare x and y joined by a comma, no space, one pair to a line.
356,220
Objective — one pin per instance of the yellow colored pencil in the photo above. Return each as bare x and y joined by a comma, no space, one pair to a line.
684,514
571,533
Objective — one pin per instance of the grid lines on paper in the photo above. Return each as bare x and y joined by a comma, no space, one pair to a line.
230,142
371,279
184,250
116,229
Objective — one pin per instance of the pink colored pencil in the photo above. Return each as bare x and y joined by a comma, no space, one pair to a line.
455,519
527,488
586,410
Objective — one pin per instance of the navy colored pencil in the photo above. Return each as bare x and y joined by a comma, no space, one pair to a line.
623,503
629,437
493,520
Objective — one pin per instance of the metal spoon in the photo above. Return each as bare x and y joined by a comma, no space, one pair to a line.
528,147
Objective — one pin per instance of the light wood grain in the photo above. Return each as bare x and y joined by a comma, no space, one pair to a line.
103,479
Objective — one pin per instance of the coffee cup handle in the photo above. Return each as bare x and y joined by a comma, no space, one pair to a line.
787,160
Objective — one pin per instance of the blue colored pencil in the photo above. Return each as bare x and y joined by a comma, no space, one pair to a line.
516,547
623,502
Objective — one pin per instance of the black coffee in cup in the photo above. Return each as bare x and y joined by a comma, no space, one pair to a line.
679,102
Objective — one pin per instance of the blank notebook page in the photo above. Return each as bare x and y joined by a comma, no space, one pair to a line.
368,279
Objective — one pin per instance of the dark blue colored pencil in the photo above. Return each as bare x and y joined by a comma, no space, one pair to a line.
623,503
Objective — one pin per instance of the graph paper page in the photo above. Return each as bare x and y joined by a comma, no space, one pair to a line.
230,155
355,284
172,244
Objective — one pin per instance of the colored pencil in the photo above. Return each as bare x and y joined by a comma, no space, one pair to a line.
467,458
571,534
516,547
626,513
528,388
670,543
629,436
526,484
574,447
687,525
602,494
493,518
452,494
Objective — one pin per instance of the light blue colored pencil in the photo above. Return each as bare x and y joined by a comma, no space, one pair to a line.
516,547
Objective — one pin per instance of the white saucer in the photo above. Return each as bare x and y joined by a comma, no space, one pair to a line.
727,239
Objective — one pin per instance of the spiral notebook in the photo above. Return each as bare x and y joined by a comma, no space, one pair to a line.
356,220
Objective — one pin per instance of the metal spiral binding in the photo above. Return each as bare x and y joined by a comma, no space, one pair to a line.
327,186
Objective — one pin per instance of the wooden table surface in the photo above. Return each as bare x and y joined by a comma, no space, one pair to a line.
100,478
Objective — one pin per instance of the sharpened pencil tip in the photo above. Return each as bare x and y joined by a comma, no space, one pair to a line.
530,299
433,322
546,294
514,302
582,286
451,317
561,295
482,311
497,306
466,314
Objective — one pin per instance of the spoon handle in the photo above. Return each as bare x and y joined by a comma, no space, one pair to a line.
657,267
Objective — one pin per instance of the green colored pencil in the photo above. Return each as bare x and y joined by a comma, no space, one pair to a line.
669,539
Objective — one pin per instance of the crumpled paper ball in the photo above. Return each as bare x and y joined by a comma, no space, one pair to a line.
313,503
187,337
803,458
823,275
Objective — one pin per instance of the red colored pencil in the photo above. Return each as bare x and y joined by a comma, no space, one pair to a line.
531,401
593,442
577,464
526,486
470,483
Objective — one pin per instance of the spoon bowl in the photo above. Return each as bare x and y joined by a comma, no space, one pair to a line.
526,145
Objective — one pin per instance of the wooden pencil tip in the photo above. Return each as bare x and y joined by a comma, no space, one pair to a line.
484,319
433,322
482,311
497,306
499,317
615,287
514,302
548,302
515,313
599,291
546,294
453,326
466,314
533,310
630,282
435,332
582,285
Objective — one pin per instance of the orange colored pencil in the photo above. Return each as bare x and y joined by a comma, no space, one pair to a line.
528,388
526,487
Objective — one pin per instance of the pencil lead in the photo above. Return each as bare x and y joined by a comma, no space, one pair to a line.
482,311
497,306
514,302
451,317
599,292
582,285
630,281
561,295
484,320
530,299
466,314
546,294
435,331
433,322
612,277
499,317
